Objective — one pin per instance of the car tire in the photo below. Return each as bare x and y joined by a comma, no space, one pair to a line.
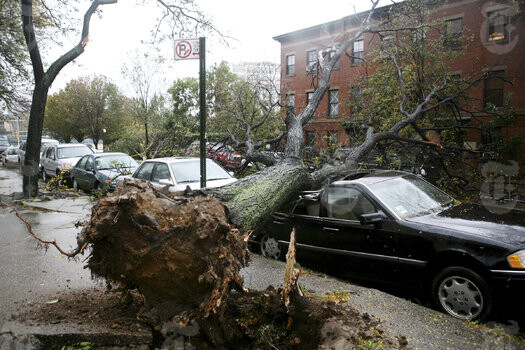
45,178
270,247
97,187
75,185
462,293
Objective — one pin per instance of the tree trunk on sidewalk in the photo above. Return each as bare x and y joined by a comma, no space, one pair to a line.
34,137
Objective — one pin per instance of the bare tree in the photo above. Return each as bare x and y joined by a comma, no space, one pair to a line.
145,77
43,80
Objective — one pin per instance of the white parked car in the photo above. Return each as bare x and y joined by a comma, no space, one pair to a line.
56,158
11,155
177,173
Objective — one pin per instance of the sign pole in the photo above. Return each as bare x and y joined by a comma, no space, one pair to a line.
202,96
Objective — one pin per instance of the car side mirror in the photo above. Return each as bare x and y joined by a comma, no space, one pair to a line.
165,182
372,218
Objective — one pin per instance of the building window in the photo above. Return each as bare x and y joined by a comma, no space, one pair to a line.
290,105
358,51
333,103
494,88
497,23
310,137
311,61
356,98
309,96
290,65
453,31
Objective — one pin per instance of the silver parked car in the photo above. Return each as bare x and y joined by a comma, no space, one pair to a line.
56,158
177,173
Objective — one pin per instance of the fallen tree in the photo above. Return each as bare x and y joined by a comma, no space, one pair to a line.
184,256
184,251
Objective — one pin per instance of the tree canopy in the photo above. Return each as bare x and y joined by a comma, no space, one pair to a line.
87,107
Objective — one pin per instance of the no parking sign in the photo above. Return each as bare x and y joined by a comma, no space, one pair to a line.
186,49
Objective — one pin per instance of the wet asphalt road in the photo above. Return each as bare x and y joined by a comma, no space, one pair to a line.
32,275
29,273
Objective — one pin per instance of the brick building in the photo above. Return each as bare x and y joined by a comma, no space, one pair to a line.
497,29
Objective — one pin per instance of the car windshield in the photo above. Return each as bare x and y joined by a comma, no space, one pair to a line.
11,151
115,162
71,152
4,143
410,196
185,172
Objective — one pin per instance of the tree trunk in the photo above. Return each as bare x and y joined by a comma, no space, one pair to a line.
146,146
34,138
256,197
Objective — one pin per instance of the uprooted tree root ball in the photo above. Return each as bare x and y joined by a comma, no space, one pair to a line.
179,250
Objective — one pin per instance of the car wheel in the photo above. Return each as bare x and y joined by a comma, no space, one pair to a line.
270,247
45,177
75,185
97,187
462,293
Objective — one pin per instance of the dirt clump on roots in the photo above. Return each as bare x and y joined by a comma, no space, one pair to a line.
179,250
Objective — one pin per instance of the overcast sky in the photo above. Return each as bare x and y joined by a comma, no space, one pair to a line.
252,24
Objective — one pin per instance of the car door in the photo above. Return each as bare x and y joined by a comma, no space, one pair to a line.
160,172
144,171
88,174
79,172
46,162
364,250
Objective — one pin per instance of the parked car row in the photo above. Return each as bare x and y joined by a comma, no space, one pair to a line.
91,171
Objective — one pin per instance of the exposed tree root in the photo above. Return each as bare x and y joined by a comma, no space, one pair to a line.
79,250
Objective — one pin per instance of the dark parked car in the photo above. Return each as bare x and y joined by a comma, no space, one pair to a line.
394,227
100,170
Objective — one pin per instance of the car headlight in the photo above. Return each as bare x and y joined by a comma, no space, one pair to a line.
517,260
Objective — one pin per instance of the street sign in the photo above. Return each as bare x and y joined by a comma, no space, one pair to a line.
186,49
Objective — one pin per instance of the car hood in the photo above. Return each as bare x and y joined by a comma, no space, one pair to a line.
197,185
477,220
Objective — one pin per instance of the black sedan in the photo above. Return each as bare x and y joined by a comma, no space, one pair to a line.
395,227
99,170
